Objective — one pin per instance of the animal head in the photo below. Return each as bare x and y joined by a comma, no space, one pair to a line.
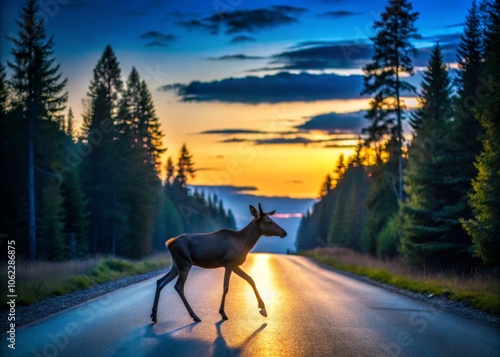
266,225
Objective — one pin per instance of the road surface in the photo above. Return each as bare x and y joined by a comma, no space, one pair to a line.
312,311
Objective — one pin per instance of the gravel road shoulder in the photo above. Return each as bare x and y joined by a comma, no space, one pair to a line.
40,310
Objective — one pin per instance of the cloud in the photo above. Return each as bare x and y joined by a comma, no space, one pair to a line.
338,14
348,54
157,39
239,21
286,141
449,43
228,189
333,146
450,26
321,55
304,141
231,131
444,37
232,140
280,87
242,38
237,57
336,122
194,24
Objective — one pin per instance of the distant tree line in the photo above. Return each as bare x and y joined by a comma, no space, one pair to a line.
435,201
67,194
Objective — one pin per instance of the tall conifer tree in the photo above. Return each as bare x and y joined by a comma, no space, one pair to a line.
430,234
484,226
100,169
38,92
392,58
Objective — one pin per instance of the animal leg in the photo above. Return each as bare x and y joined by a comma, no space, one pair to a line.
160,284
179,286
227,275
238,271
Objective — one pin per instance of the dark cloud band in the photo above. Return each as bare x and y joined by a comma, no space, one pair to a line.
281,87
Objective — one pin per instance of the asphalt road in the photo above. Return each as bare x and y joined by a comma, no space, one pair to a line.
312,311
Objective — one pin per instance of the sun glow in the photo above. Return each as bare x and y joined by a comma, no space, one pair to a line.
262,273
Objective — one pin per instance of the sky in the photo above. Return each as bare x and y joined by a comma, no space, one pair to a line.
266,94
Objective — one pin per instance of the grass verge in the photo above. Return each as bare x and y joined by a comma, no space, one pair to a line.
39,280
478,290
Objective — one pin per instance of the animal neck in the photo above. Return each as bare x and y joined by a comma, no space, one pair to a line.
251,234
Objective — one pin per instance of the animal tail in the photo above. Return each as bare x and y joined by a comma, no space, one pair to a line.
169,241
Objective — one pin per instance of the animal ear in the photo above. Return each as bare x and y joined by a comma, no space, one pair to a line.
260,209
254,212
271,213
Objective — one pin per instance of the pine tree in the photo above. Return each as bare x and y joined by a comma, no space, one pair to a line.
327,186
340,169
230,220
13,159
4,92
37,91
431,236
150,128
69,128
484,226
170,172
51,224
101,168
76,214
466,129
348,215
138,136
392,58
382,200
185,167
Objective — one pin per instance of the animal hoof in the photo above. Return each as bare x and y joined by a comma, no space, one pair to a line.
263,312
196,319
153,318
224,317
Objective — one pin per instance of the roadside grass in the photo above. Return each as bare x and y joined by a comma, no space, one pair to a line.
480,290
39,280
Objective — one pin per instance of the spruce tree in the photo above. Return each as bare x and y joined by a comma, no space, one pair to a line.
76,213
230,220
170,172
484,226
38,92
382,200
327,186
431,235
466,129
4,92
69,127
393,52
101,168
185,167
51,224
139,153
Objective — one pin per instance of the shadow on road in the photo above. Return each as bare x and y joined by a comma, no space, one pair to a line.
191,339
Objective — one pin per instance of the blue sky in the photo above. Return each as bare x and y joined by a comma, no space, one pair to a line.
264,93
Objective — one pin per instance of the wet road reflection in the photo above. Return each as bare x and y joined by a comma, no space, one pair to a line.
311,311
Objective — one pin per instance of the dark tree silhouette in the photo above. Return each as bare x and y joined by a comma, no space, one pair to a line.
38,92
431,235
484,226
392,58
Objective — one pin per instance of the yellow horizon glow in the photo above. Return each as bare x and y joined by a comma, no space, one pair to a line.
292,170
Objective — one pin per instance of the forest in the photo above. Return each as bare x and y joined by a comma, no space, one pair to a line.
68,193
430,195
